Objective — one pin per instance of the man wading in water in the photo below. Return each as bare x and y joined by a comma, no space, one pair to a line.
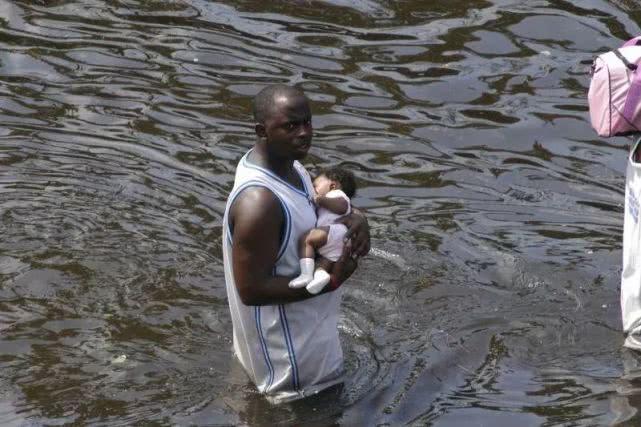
286,339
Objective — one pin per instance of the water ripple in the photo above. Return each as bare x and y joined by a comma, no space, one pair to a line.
492,288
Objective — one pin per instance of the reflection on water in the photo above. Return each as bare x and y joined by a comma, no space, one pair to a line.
491,293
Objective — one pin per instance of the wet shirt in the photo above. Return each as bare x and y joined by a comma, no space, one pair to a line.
288,350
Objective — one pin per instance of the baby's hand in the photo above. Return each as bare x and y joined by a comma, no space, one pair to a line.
315,198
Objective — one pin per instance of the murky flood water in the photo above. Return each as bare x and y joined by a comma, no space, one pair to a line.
491,293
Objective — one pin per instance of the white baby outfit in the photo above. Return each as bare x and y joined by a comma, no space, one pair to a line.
333,249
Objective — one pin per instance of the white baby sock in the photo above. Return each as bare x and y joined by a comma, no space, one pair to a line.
306,273
321,278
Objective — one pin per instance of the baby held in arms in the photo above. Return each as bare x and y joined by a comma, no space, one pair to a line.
334,187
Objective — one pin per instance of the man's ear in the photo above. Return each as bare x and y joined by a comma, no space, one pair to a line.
260,130
332,185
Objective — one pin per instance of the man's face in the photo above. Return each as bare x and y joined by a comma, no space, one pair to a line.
288,128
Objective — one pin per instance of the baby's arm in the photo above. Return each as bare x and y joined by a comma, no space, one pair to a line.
337,205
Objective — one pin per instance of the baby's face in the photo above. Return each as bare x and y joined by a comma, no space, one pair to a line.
323,185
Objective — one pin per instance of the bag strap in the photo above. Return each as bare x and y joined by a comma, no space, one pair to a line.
630,66
633,42
632,99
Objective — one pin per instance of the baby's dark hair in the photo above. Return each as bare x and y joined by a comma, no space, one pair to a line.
344,177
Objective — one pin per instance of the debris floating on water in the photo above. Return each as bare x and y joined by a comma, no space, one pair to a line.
119,359
393,258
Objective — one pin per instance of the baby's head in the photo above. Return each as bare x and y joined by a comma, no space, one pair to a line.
335,179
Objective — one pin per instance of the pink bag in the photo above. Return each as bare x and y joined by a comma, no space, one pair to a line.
615,91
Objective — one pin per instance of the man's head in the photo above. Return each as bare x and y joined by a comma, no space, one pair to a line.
335,179
283,121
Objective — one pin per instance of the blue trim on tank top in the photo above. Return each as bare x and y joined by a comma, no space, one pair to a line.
290,346
265,349
284,208
271,174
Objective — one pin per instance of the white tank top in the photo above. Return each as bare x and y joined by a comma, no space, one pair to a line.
631,274
288,350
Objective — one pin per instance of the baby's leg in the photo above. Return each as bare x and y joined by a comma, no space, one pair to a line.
325,264
309,242
332,250
321,276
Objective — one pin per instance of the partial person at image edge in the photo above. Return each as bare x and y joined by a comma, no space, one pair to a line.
631,273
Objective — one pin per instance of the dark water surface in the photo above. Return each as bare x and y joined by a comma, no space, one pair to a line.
490,297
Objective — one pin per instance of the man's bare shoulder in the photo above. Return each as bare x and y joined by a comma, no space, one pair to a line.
256,207
256,198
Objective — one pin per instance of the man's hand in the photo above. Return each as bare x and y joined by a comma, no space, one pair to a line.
357,233
343,268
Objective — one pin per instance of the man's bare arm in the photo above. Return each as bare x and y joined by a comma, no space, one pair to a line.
256,217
